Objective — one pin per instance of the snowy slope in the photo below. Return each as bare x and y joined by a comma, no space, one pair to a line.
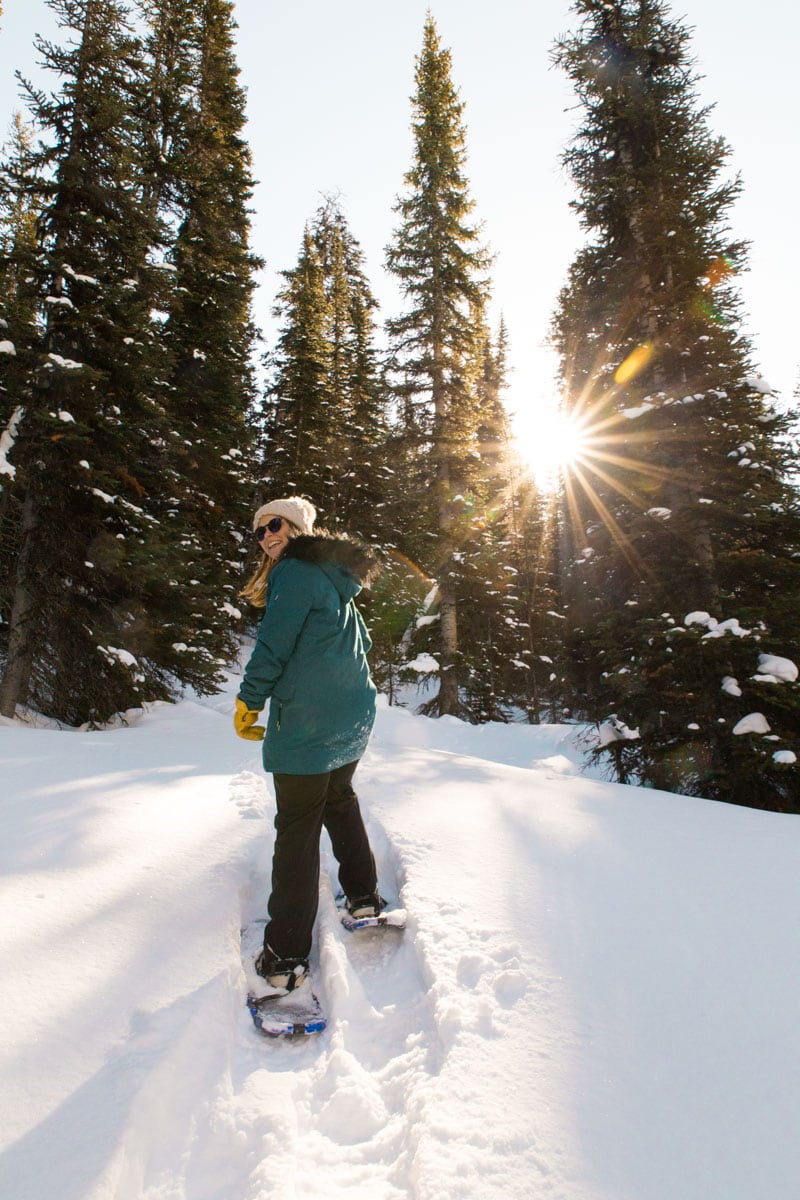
595,998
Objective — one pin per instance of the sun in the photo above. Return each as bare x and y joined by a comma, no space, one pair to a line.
548,441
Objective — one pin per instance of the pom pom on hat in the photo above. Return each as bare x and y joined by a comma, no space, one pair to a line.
300,512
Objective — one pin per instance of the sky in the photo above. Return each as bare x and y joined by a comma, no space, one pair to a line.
329,88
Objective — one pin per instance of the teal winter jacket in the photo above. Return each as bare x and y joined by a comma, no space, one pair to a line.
310,658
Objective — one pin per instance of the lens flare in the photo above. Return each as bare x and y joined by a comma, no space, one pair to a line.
718,269
634,364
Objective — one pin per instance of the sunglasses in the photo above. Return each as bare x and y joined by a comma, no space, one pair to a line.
272,526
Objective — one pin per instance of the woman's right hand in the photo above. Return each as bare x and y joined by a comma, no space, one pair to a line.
244,723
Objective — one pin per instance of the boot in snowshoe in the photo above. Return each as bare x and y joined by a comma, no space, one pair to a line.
286,974
366,906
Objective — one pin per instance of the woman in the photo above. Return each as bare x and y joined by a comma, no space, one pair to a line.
310,661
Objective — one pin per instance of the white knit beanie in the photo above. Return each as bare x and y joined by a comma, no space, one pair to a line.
300,512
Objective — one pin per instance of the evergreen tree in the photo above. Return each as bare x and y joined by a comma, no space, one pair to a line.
357,392
301,431
326,419
208,333
681,505
131,424
18,211
18,306
440,265
169,107
80,637
490,604
534,666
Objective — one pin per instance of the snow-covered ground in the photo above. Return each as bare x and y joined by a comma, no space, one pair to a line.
596,997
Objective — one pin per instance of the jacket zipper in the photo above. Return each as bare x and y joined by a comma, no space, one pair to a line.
280,714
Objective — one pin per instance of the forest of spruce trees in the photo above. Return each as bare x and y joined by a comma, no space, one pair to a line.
653,594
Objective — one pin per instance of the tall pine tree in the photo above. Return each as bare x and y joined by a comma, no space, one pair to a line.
80,632
132,455
682,579
326,410
208,332
437,257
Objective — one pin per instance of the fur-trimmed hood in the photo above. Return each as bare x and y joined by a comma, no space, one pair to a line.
346,555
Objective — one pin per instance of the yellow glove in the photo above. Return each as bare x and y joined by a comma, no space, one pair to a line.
244,723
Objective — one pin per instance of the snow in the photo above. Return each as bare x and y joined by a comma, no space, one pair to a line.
757,384
7,439
730,626
123,656
422,622
595,995
716,629
68,364
777,669
80,278
754,722
731,686
423,664
700,618
633,413
615,730
7,347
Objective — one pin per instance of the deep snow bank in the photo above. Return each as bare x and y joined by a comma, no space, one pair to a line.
595,997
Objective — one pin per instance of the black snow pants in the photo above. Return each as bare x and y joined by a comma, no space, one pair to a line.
306,803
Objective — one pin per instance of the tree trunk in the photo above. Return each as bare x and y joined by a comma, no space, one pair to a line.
448,685
16,679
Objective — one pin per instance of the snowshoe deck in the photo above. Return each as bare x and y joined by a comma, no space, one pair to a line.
287,1014
391,917
277,1013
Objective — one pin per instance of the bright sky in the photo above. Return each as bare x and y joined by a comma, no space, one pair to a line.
328,101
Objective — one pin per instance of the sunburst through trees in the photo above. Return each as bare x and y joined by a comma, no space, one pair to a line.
682,526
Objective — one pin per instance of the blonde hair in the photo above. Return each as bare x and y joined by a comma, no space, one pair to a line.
255,590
